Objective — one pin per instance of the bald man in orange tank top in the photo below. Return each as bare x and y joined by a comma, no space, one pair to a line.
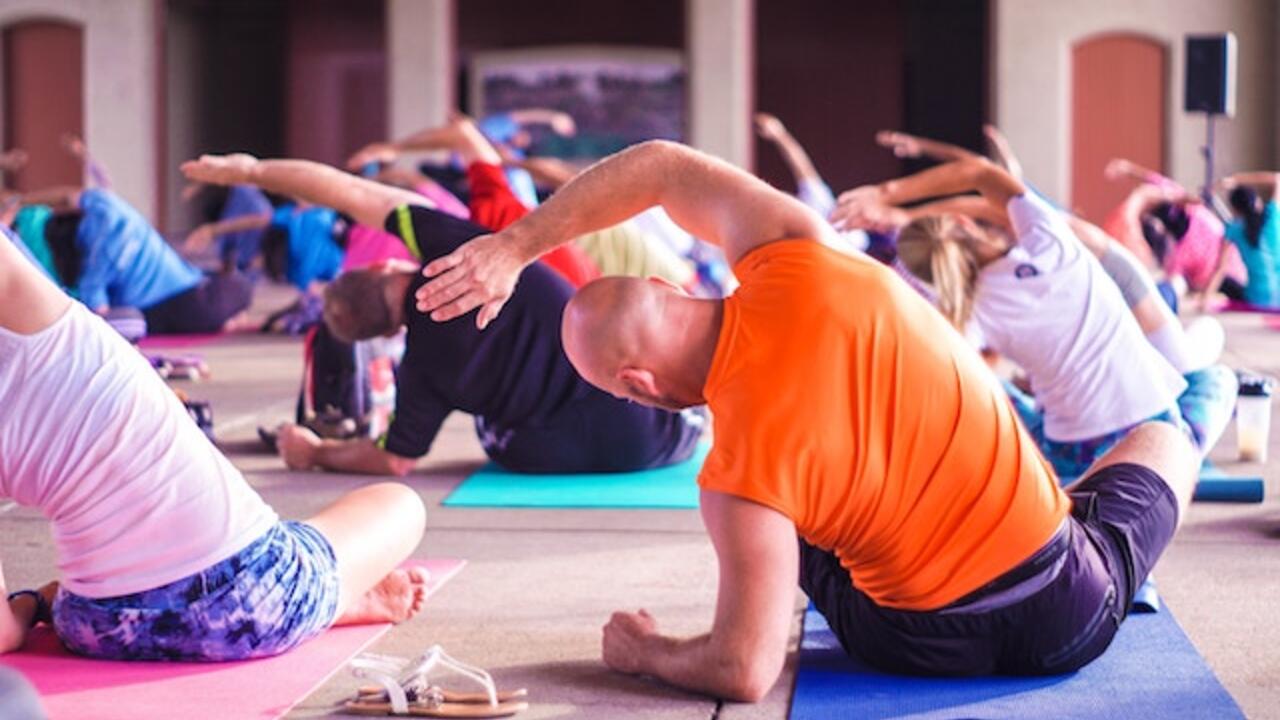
931,533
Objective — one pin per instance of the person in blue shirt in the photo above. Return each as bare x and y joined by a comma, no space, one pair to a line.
120,260
1255,198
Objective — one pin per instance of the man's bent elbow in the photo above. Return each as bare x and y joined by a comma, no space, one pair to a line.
750,679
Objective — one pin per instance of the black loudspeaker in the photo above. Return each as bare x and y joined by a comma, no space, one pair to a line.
1211,74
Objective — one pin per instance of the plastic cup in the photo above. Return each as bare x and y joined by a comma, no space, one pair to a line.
1253,419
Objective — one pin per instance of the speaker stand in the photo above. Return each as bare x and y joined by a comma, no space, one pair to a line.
1207,151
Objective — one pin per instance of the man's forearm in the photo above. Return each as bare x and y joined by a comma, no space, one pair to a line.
695,664
360,456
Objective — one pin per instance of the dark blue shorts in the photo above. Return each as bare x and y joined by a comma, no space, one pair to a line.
1052,614
595,433
276,593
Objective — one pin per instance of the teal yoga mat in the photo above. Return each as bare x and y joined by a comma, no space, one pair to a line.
671,487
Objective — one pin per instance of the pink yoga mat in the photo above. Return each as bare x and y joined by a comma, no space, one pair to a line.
171,342
1243,307
75,688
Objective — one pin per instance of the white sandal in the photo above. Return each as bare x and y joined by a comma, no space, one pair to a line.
404,689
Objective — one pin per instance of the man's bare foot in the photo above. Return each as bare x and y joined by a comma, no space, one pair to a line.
399,596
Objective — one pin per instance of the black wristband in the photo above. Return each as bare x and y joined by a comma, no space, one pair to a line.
44,613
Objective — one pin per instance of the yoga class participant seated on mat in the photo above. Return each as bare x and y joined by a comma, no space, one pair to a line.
1255,199
164,551
111,257
1093,373
1175,233
932,535
532,411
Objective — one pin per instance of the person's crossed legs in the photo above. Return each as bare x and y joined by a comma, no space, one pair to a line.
372,530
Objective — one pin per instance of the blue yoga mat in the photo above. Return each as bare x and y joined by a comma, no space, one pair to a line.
671,487
1151,670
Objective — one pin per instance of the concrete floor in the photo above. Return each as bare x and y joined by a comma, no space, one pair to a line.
539,584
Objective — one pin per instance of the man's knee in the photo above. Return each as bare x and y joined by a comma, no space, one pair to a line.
1163,448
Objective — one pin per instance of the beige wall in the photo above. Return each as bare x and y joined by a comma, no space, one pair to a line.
1032,83
120,60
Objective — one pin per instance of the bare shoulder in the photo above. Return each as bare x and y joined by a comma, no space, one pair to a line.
33,302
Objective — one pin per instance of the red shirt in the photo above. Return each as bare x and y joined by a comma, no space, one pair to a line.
494,206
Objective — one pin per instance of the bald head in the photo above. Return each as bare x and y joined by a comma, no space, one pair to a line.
642,340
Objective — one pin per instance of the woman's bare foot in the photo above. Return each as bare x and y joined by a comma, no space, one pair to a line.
399,596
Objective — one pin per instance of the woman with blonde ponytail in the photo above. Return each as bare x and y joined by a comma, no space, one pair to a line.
1009,273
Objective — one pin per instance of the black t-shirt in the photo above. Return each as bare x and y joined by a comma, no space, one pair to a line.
513,374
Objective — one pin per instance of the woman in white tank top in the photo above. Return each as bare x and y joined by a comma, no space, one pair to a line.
150,521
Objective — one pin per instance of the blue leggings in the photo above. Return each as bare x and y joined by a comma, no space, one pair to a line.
1203,411
276,593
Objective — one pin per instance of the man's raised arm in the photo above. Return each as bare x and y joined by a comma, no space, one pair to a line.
708,197
367,201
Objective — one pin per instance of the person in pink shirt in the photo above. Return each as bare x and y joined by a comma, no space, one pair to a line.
1175,233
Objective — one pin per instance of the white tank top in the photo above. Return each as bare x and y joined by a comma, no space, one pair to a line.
92,437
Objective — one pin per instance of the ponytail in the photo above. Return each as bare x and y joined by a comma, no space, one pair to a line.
941,251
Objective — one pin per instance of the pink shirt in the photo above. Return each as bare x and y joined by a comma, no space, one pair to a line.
445,201
366,246
1195,256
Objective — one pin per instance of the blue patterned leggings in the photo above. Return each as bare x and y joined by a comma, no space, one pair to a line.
1204,409
276,593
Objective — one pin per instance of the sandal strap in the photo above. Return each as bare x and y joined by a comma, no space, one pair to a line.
435,656
376,670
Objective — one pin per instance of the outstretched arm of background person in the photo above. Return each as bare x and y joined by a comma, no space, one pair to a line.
741,657
95,172
459,135
1120,168
798,161
1002,151
708,197
546,171
995,184
367,201
905,145
302,449
200,238
13,160
887,218
1267,182
561,123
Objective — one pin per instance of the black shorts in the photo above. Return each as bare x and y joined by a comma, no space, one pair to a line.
204,308
598,433
1052,614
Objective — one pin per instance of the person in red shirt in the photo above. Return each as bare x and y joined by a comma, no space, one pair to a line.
848,413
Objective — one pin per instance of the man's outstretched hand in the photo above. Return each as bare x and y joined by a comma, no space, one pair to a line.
480,274
220,169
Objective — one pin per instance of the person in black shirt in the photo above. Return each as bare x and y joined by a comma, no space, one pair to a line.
533,412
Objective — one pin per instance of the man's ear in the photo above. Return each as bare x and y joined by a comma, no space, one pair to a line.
639,381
